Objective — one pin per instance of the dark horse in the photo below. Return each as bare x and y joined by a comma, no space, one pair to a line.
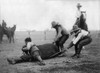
9,32
82,23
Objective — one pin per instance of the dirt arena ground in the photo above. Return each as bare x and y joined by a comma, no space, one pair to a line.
88,63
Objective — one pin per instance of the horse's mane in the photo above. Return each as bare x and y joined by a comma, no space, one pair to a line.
10,28
9,31
13,28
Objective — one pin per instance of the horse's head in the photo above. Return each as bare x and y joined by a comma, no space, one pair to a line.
83,16
14,26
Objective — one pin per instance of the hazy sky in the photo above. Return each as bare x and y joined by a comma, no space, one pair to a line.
38,14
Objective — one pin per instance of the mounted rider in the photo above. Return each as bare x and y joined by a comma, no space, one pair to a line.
81,18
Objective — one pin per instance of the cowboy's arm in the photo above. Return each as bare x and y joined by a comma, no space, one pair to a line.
25,50
77,38
77,32
58,35
74,41
78,14
71,43
71,32
23,47
29,45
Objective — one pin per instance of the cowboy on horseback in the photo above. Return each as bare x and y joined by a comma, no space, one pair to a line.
8,31
81,18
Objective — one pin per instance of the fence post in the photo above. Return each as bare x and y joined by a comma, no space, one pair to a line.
44,35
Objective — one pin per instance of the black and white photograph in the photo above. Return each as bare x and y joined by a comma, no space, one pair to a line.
49,36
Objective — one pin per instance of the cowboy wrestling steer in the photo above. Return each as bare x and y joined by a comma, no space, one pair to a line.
44,51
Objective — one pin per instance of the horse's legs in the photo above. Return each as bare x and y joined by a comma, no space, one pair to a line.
9,39
13,39
1,37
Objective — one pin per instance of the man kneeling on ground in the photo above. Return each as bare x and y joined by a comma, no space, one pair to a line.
30,50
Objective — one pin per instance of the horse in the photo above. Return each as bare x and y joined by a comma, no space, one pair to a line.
82,22
9,32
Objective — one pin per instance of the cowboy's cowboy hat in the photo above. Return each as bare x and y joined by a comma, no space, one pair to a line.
53,23
75,28
79,5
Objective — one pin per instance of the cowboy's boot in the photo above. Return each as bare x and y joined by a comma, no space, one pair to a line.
75,52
